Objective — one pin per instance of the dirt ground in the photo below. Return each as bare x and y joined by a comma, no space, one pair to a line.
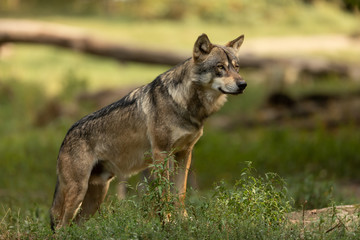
338,217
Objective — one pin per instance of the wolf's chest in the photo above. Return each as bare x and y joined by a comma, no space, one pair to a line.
183,139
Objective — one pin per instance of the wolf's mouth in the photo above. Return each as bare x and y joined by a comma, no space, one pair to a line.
232,93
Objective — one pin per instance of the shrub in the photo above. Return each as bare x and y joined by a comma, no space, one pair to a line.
157,198
252,199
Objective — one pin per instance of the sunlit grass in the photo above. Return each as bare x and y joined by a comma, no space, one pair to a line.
50,66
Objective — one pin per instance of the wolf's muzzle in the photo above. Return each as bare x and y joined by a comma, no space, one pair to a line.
241,85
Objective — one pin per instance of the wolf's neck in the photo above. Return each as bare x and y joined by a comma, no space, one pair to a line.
209,102
198,100
179,83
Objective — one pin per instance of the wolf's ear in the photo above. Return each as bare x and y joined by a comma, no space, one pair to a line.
236,43
202,47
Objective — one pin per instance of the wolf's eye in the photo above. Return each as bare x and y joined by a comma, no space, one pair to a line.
221,67
236,65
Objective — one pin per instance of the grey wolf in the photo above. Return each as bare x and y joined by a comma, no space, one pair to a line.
166,115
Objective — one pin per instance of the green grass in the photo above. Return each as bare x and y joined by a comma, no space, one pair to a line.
51,67
254,208
318,151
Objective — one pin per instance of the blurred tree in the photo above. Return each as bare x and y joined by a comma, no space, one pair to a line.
349,5
352,5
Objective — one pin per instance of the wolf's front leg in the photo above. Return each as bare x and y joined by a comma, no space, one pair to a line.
183,161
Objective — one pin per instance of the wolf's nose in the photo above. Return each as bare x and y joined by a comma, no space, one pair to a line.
241,85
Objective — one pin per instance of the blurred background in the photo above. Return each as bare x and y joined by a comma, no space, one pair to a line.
299,116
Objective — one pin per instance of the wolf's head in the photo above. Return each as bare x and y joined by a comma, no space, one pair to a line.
217,67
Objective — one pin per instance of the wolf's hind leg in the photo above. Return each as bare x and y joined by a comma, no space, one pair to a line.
73,177
73,201
57,206
66,203
95,195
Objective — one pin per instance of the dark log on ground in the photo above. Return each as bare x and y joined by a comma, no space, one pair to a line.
26,31
305,112
293,66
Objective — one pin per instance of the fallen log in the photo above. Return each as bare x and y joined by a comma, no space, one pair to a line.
26,31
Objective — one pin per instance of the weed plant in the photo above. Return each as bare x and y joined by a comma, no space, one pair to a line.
157,199
253,199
